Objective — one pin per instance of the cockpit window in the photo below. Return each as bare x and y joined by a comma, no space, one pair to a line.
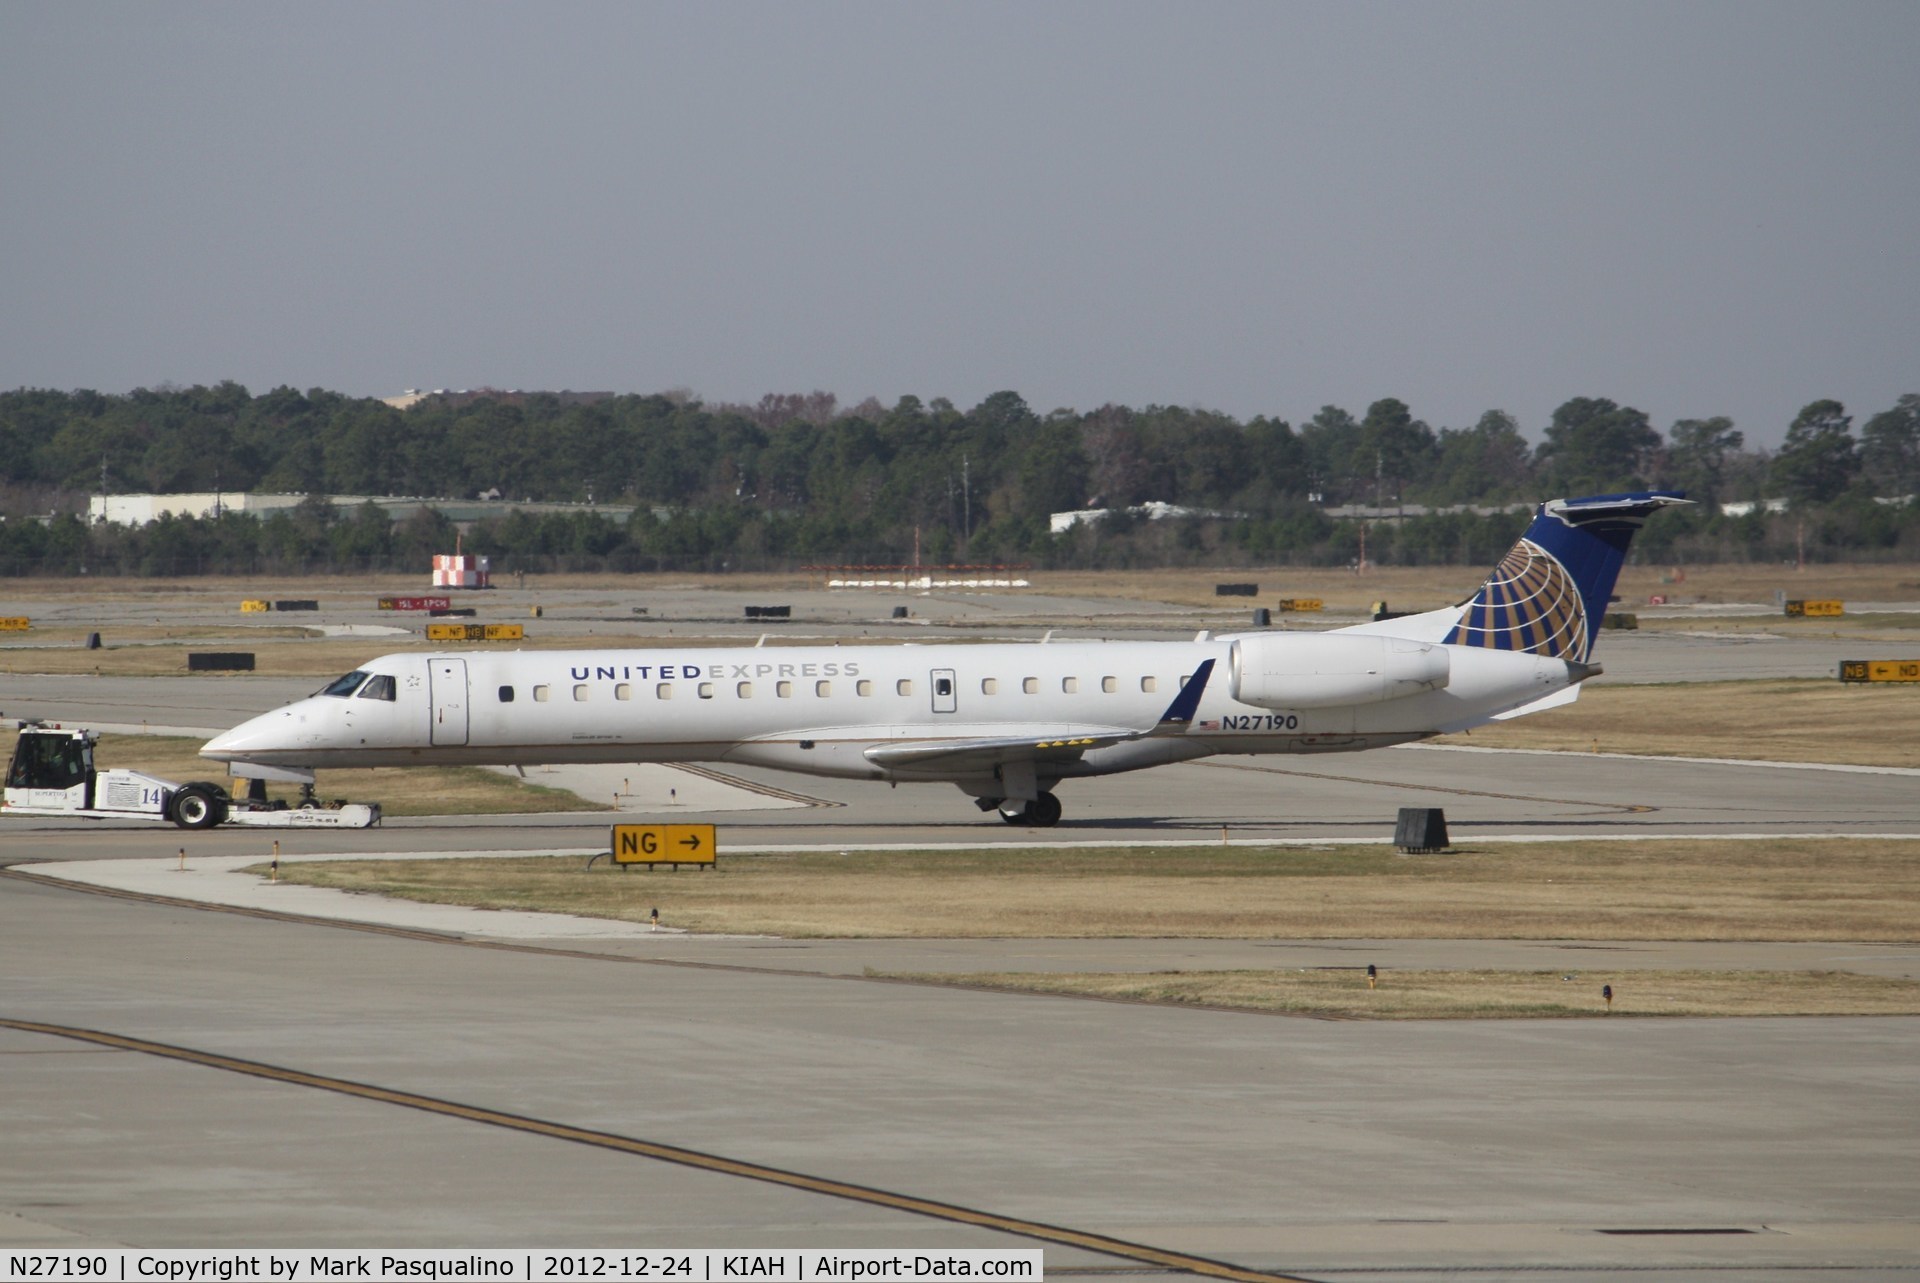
379,686
345,686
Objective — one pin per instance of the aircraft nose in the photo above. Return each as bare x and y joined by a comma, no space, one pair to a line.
261,734
227,744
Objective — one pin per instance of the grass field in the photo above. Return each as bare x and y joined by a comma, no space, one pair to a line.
1859,890
1406,587
161,651
1867,890
1429,587
1769,721
320,658
1477,995
424,790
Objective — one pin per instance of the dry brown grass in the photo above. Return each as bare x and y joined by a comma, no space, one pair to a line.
1407,587
1749,582
288,649
1430,587
317,658
1865,889
1771,721
433,790
225,593
1472,995
292,652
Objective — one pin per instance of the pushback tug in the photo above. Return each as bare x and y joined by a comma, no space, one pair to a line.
53,773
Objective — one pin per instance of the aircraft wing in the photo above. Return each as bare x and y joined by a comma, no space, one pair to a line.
964,755
1062,744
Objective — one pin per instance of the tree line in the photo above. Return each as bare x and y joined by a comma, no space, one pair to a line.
800,478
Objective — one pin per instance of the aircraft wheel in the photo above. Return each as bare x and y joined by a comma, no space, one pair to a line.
197,807
1044,811
1041,813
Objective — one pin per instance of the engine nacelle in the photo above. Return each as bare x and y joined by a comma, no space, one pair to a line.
1323,670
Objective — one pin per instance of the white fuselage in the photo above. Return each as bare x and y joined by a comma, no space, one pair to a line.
820,709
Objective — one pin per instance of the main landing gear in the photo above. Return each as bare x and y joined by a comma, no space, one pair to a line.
1041,813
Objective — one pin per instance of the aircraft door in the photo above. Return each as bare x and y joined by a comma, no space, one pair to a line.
946,691
447,679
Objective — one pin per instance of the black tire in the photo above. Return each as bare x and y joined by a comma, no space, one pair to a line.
198,806
1041,813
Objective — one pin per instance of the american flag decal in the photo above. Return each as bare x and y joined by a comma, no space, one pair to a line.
1530,603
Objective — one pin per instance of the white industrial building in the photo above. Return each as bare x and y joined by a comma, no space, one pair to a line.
145,509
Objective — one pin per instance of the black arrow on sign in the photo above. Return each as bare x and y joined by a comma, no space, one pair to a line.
692,840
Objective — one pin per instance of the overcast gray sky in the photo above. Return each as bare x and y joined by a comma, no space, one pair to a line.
1695,208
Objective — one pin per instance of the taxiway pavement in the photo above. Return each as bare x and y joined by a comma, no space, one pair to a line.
1301,1147
1674,1149
1484,794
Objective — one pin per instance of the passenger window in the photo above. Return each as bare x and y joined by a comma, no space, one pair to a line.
863,688
943,686
506,694
744,690
623,690
823,689
904,686
783,689
663,691
1108,685
379,686
1031,685
580,694
704,690
540,694
989,685
1147,685
1070,685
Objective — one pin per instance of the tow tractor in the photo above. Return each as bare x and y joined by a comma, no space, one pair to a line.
52,773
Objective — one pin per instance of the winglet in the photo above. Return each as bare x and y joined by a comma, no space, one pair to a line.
1180,712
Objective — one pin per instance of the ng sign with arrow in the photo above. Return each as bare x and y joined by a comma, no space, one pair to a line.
674,844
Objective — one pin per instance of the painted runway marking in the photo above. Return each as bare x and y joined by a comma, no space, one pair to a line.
752,786
717,1163
1624,808
1843,767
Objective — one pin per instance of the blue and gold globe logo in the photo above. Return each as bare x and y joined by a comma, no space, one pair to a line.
1529,603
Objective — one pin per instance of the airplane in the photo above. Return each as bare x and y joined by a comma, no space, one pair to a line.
1005,722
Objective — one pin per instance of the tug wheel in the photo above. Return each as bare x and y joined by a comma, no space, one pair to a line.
198,806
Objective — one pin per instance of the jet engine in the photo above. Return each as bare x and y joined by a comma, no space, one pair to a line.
1324,670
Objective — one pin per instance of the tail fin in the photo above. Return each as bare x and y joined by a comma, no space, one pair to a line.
1549,592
